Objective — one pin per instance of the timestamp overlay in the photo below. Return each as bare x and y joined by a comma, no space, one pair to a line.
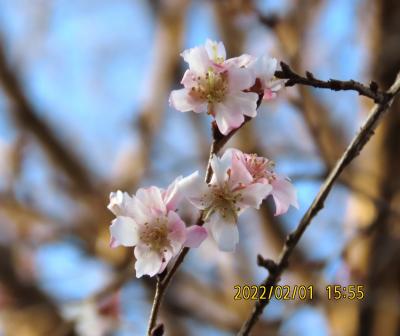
297,292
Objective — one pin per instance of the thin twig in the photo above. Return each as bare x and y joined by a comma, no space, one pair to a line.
156,305
163,281
352,151
372,91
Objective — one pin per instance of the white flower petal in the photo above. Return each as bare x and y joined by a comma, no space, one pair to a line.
124,231
254,194
172,196
198,59
195,235
189,79
244,103
148,262
240,79
116,201
227,119
239,173
195,190
240,61
139,211
228,154
120,203
165,259
284,195
152,198
275,84
220,168
200,107
229,114
264,68
216,50
182,101
225,233
177,232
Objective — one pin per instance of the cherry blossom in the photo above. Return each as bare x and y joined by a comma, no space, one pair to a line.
149,222
224,88
261,170
216,86
230,192
264,68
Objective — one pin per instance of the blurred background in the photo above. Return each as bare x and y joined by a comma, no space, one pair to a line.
84,86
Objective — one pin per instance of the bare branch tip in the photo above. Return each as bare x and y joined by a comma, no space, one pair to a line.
285,68
373,86
309,75
269,264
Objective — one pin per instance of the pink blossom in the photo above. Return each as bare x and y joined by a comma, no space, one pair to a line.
230,192
284,195
216,86
149,221
261,170
263,69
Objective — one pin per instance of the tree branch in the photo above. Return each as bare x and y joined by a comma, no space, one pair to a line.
372,91
219,140
352,151
27,294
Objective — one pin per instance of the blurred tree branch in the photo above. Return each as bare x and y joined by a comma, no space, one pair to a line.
170,18
27,117
25,296
380,310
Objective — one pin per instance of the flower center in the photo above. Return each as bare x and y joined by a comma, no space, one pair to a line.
225,202
260,167
155,235
212,87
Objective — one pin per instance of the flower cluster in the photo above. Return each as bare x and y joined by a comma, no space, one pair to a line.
240,181
224,87
229,90
149,221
